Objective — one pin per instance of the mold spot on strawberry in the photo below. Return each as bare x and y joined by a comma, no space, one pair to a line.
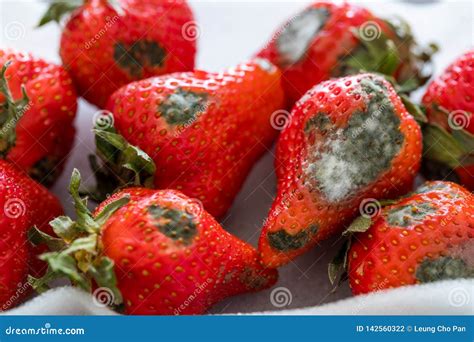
297,36
136,56
175,224
443,268
183,107
410,215
346,159
283,241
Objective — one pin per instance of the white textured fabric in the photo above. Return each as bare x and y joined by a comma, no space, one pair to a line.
454,297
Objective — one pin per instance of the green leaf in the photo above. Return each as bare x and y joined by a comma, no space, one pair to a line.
84,216
65,228
123,164
464,139
64,264
58,9
11,112
413,109
338,266
37,237
359,225
104,276
40,285
378,55
87,243
111,208
440,146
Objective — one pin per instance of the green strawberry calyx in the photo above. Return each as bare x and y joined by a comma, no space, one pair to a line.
76,253
60,8
448,146
337,268
11,112
122,164
399,55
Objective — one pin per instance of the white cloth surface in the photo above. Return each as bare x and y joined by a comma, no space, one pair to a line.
229,33
453,297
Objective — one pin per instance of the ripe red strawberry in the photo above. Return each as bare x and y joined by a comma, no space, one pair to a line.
36,123
424,237
449,139
106,46
157,251
348,139
204,131
328,39
23,204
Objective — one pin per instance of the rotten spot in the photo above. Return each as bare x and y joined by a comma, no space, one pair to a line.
443,268
342,161
297,36
410,214
183,107
142,53
175,224
283,241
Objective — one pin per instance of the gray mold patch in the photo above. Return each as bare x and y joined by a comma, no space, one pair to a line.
297,35
345,160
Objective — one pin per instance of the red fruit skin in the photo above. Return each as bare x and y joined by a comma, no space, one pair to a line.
159,275
91,34
209,155
388,255
453,90
24,204
334,40
45,132
299,207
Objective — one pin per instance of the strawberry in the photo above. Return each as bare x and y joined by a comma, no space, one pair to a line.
423,237
347,139
105,44
24,203
203,131
449,138
335,39
37,109
157,251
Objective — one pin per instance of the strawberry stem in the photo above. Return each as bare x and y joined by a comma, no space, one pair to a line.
10,113
123,164
58,9
76,253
